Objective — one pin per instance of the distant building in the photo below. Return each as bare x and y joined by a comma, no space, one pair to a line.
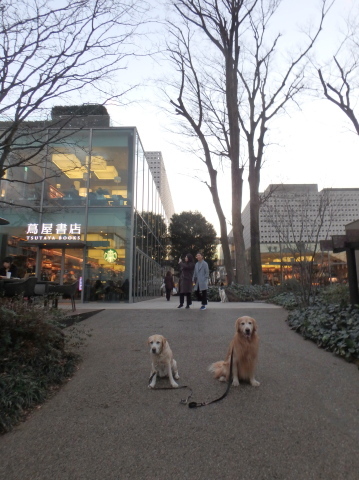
294,218
157,167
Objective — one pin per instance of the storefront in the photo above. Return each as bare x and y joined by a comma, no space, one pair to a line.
87,210
281,263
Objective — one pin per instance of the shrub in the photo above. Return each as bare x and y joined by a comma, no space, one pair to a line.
34,358
248,293
290,285
331,327
213,294
286,300
335,294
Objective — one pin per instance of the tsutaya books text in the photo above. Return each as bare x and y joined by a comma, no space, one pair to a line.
49,231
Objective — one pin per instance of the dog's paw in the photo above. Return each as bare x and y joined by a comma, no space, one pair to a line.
176,376
151,386
174,385
235,383
222,379
255,383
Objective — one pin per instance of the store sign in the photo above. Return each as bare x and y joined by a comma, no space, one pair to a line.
47,231
110,255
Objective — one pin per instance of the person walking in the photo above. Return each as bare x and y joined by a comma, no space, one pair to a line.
200,277
185,280
169,285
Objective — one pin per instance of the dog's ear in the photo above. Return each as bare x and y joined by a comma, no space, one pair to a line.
164,341
254,325
237,324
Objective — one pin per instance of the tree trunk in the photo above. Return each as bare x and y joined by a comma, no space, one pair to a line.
256,263
241,274
213,187
224,235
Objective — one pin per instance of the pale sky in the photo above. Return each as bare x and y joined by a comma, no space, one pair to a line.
314,145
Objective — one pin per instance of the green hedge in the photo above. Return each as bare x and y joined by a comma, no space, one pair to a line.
332,327
331,322
242,293
34,359
287,300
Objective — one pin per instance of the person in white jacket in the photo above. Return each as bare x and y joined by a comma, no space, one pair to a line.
200,278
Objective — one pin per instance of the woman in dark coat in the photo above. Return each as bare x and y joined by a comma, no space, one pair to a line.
169,284
185,280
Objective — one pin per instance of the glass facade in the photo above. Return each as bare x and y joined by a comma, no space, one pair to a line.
86,208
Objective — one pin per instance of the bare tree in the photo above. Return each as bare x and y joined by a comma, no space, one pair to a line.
298,222
202,87
339,81
190,106
244,86
267,84
56,50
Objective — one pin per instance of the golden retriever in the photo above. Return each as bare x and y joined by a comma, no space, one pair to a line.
245,351
163,363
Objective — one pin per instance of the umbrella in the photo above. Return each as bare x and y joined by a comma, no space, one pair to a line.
3,221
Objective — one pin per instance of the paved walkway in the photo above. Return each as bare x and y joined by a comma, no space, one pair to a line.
162,304
302,423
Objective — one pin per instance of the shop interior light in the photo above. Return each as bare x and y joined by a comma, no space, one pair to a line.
122,192
71,166
97,163
109,174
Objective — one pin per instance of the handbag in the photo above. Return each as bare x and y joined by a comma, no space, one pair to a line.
162,286
174,291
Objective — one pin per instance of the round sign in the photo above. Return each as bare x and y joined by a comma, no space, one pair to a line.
110,255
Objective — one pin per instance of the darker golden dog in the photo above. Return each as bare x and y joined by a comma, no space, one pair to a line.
245,352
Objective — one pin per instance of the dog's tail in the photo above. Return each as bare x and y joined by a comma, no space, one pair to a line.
217,368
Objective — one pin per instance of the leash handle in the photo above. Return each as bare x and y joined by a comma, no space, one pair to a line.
203,404
184,401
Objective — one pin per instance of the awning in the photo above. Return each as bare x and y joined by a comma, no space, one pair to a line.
52,244
65,244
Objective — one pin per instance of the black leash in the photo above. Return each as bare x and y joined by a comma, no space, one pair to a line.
198,404
203,404
165,388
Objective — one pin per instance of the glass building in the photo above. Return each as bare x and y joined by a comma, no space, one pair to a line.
85,208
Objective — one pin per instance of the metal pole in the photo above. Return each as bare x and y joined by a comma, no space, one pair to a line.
84,252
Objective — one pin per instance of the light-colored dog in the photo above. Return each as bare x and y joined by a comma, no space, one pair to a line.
245,352
163,363
222,295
